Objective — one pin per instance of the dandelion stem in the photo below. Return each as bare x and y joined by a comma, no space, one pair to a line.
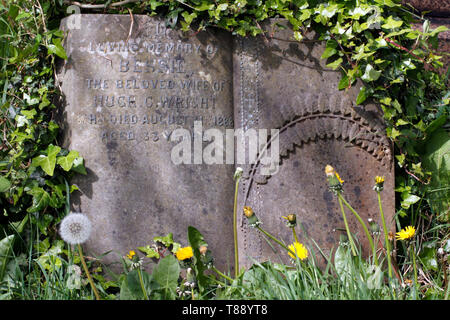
295,234
236,253
369,237
350,239
83,262
142,283
275,239
413,256
221,274
386,238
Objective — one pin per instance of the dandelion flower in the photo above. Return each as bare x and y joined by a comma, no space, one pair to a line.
131,254
75,228
184,253
329,170
291,220
379,180
379,184
406,233
253,220
339,178
248,211
299,249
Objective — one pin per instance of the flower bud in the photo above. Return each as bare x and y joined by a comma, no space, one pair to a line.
238,173
291,220
252,218
379,184
334,180
329,170
203,249
374,227
248,211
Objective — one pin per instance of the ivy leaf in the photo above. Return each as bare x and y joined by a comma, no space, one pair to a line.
57,48
189,17
330,49
47,163
343,83
205,6
335,64
5,184
41,199
167,240
408,199
78,165
391,23
370,74
362,96
298,36
149,251
67,161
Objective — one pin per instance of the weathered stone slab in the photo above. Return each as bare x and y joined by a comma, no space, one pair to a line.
128,83
282,84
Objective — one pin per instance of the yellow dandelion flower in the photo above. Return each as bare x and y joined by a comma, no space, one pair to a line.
248,211
329,170
299,249
184,253
379,180
339,178
406,233
131,254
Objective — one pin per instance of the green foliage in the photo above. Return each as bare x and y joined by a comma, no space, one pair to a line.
32,165
196,240
437,160
368,40
166,275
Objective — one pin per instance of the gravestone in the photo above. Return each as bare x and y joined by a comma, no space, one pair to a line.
128,83
281,83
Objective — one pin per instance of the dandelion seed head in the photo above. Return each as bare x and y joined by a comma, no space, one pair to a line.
75,228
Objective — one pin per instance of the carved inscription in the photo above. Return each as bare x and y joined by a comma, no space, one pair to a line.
149,86
128,86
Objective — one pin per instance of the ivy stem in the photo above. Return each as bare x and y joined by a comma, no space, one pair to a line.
83,262
369,237
386,238
142,283
275,239
236,252
221,274
349,235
